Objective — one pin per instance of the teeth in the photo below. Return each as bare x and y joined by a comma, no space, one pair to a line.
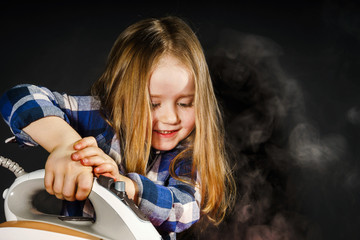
165,132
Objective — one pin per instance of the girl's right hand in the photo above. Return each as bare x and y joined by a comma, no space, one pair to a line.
64,178
67,179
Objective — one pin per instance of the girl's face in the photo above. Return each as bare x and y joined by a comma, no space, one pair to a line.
172,93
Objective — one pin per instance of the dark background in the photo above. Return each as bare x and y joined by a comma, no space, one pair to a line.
304,53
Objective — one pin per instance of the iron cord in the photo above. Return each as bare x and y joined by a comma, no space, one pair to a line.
12,166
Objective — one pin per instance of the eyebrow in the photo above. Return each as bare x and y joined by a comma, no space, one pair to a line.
181,96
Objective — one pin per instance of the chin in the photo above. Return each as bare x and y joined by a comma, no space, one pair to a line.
164,147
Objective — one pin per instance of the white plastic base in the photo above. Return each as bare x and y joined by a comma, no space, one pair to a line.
15,233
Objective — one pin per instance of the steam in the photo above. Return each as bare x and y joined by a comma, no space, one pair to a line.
353,115
270,139
312,151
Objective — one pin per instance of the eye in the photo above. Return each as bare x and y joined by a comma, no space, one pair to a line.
185,105
155,105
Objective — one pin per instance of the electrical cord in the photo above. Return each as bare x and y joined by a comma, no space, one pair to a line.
12,166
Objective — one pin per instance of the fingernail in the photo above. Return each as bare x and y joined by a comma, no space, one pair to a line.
75,156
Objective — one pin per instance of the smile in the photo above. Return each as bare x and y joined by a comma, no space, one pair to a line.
166,133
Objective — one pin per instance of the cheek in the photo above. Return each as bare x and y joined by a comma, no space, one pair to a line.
153,119
189,119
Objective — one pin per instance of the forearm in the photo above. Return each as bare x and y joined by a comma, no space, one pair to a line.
51,132
25,104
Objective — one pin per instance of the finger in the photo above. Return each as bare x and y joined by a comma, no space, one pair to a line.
106,168
84,185
93,161
109,175
86,153
58,185
49,182
85,142
68,191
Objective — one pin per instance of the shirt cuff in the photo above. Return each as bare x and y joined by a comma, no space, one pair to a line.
155,201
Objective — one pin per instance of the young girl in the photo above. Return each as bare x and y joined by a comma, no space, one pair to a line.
152,121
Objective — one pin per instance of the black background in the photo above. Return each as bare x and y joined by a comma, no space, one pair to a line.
64,46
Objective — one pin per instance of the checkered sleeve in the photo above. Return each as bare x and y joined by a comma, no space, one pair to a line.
170,208
25,103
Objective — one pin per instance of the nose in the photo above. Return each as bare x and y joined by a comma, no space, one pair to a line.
169,115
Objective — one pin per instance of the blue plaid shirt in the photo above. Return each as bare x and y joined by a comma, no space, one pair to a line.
171,205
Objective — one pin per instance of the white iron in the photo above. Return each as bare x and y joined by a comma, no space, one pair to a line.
116,217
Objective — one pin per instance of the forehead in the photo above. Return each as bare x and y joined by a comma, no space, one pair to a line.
170,60
170,76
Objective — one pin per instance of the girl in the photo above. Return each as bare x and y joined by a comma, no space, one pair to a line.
152,121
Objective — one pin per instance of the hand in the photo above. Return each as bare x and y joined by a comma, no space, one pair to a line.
65,178
89,154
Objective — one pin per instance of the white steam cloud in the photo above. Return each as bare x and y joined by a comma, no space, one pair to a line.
271,140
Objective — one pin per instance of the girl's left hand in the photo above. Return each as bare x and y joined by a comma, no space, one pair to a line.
89,154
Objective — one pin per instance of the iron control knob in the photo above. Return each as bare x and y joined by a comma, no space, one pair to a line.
119,186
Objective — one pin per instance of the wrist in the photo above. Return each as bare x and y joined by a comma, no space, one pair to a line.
133,191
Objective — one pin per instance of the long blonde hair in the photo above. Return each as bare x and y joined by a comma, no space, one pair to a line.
124,96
